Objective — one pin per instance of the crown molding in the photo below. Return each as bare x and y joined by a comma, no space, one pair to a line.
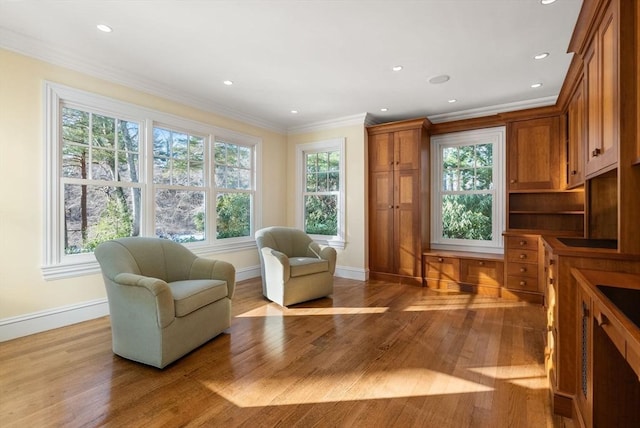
43,51
495,109
341,122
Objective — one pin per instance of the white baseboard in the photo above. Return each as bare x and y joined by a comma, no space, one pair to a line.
37,322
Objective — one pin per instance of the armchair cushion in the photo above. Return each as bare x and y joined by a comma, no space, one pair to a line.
301,266
193,294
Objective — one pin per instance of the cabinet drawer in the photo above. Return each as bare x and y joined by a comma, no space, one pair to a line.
522,256
441,268
523,283
481,272
525,242
522,269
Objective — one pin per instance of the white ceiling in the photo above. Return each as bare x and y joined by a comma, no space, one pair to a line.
326,59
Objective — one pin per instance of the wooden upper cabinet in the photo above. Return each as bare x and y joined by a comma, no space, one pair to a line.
601,82
576,138
381,152
533,148
407,149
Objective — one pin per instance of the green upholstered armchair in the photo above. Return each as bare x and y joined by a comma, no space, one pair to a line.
294,268
164,301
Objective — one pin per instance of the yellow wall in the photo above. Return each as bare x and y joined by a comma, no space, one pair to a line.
22,289
354,254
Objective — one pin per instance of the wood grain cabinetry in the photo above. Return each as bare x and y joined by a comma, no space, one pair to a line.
608,387
537,199
575,138
561,302
522,263
601,83
398,199
479,273
534,149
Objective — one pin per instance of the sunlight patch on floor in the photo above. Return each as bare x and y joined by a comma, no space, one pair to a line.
276,311
445,306
399,383
530,376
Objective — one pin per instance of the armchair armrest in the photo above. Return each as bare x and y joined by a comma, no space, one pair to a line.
276,265
162,296
323,252
203,268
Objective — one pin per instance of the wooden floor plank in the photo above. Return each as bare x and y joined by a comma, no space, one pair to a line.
374,354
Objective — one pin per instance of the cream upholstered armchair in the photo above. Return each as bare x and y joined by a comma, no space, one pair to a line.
164,301
294,268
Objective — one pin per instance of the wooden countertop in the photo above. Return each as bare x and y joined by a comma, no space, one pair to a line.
565,250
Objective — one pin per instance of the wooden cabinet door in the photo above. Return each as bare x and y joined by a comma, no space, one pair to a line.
407,223
534,154
601,65
407,149
381,152
575,152
584,329
381,222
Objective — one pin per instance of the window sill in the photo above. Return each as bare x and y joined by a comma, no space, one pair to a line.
89,266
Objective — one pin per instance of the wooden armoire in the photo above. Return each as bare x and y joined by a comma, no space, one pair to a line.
398,200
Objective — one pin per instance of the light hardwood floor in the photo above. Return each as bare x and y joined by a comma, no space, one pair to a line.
374,355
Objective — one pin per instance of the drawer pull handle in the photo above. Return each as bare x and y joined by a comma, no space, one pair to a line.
512,181
574,172
440,259
523,256
523,283
390,206
602,319
523,269
481,263
522,243
550,280
551,262
596,152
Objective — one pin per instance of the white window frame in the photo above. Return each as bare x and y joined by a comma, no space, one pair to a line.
496,136
336,144
55,263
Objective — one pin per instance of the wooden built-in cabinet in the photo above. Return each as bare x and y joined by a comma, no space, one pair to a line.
479,273
601,82
608,385
398,199
534,150
575,138
522,257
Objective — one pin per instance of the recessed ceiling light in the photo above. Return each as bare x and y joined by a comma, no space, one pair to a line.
452,100
541,55
439,79
294,111
547,1
228,82
104,28
383,109
536,85
397,68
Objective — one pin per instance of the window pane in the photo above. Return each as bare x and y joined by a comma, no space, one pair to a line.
466,156
321,214
196,148
233,212
179,145
484,178
127,167
322,182
221,176
244,157
94,214
161,142
128,136
450,157
484,155
104,131
196,174
334,161
180,215
312,162
180,172
161,170
75,161
467,178
467,217
75,126
244,179
311,183
334,181
323,162
450,179
220,154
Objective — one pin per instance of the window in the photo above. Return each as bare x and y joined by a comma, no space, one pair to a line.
115,170
320,205
468,200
